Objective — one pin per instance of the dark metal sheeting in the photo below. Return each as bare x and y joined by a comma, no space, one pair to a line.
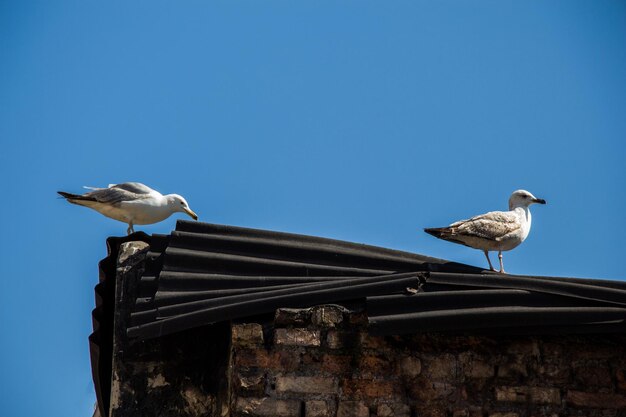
184,316
204,273
490,303
507,318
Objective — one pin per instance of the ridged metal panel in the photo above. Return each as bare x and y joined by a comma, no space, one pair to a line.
489,303
207,273
203,265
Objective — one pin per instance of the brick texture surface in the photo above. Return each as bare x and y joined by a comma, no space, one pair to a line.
297,337
538,395
306,384
267,407
352,409
321,362
247,334
596,400
319,408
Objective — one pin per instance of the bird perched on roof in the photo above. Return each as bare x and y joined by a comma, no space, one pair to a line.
494,231
132,203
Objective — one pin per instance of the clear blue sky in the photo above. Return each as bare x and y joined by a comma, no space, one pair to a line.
357,120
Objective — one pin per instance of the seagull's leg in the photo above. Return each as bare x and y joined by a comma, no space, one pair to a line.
130,228
491,268
501,265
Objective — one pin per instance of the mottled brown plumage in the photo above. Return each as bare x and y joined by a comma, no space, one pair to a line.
494,231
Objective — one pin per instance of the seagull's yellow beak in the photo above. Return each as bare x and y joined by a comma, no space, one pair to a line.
191,213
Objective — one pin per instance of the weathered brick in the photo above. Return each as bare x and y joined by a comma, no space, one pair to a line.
358,319
596,400
337,339
284,360
396,409
252,357
474,367
306,384
584,352
318,408
524,347
374,365
196,402
157,381
555,370
513,370
620,376
311,361
292,317
334,339
297,337
439,376
250,334
442,367
372,342
424,389
537,395
372,388
476,411
593,374
336,364
250,384
267,407
433,411
408,366
327,315
128,253
352,409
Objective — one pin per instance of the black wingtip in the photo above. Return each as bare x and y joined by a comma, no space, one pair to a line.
434,231
73,197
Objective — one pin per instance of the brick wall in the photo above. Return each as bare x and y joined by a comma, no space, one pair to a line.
320,362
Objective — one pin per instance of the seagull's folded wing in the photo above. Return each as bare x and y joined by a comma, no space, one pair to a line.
494,225
133,187
114,195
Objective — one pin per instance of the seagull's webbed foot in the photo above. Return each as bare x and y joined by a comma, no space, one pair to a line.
130,229
491,268
501,264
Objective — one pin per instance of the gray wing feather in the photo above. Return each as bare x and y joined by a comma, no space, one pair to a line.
119,193
494,225
133,187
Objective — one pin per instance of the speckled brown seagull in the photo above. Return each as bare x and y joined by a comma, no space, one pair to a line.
494,231
131,203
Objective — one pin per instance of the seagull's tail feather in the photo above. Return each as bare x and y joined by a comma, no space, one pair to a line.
75,198
446,233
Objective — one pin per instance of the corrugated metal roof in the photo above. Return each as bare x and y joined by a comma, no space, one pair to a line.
207,273
204,273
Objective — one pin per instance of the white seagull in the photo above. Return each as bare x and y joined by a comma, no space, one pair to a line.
494,231
132,203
